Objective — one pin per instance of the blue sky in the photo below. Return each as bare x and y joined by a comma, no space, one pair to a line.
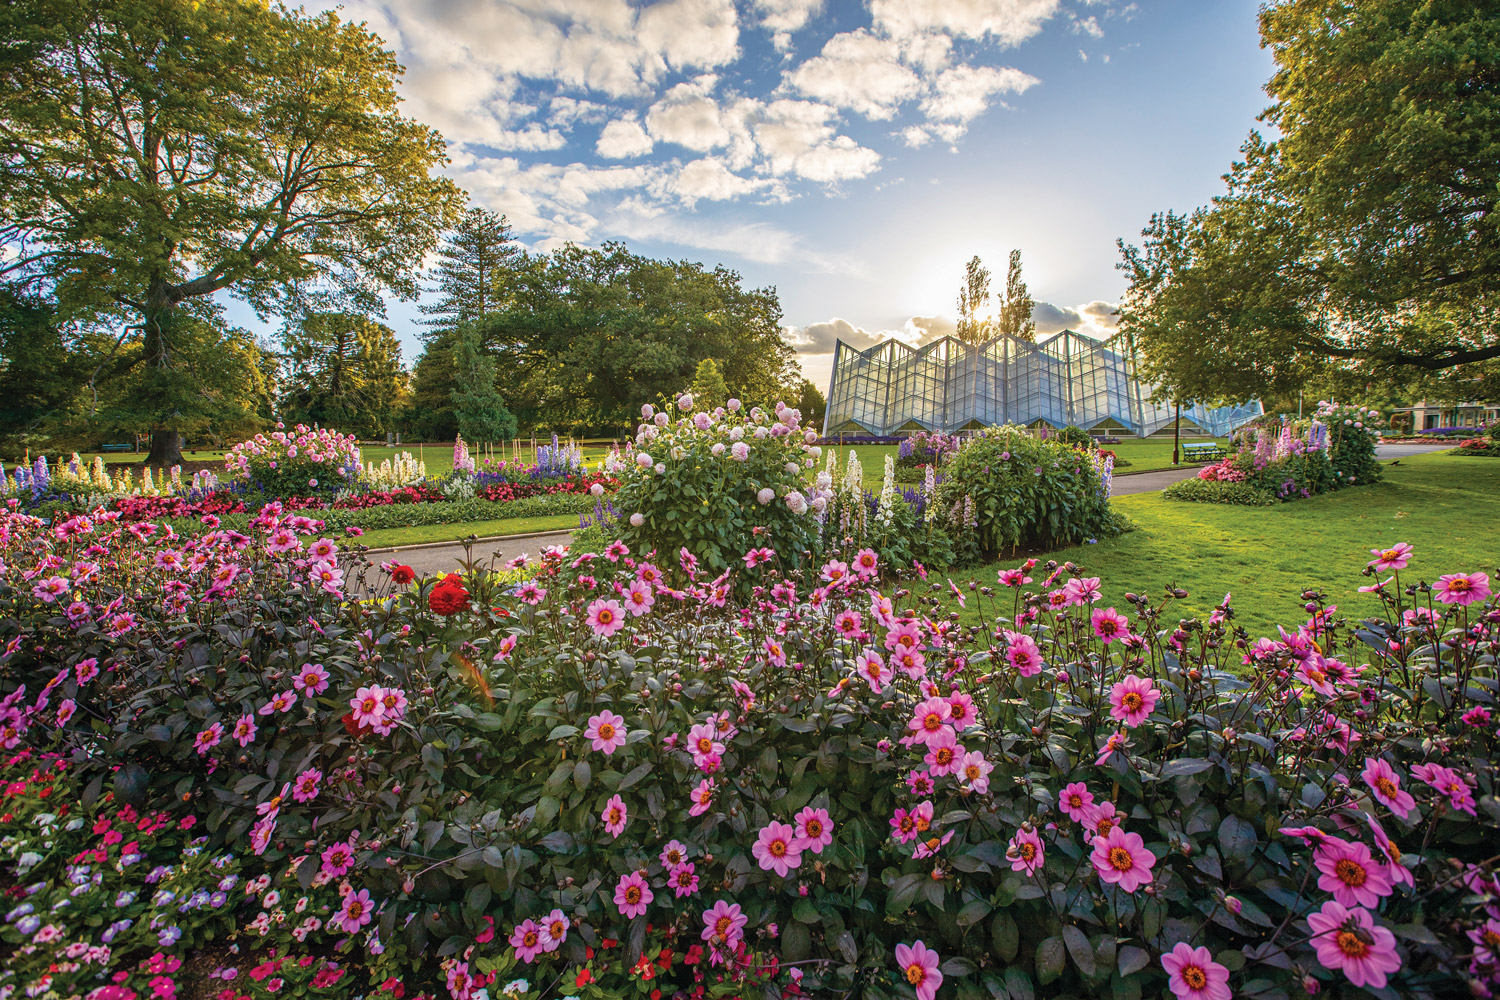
854,155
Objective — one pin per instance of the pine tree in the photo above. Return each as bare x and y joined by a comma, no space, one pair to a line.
708,386
344,370
973,296
1016,303
473,274
477,404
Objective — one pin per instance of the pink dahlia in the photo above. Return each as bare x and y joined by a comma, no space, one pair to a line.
1394,557
702,797
633,895
527,940
615,816
777,848
355,913
1385,784
975,770
723,925
930,720
814,829
607,731
555,929
1076,800
1132,699
919,965
1462,588
605,617
1348,939
1122,858
1193,974
1026,853
1109,624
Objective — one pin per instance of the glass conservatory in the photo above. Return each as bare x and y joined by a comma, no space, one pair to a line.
950,386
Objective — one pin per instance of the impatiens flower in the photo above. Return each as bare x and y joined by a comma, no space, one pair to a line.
1351,873
605,617
1122,858
606,731
777,848
1385,783
814,829
1462,588
526,938
1394,557
1132,699
633,895
615,816
355,913
1193,974
919,966
1349,940
1076,800
1026,853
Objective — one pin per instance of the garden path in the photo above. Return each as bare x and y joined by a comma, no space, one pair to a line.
446,557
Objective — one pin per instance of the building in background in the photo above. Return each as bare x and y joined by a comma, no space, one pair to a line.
1428,416
951,386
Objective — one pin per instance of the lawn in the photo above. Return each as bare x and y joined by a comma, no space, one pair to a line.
1447,506
457,532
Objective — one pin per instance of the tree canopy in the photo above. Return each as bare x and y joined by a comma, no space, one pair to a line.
342,370
1364,235
154,152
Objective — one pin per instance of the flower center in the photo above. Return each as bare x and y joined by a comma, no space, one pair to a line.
606,732
1352,945
972,772
1076,801
1194,976
1390,554
1028,851
932,722
705,745
356,908
814,828
778,848
1351,873
721,927
1460,585
923,823
1120,859
915,974
1132,701
606,616
556,929
633,895
944,756
530,939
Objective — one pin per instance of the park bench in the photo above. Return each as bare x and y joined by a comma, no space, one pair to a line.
116,447
1202,451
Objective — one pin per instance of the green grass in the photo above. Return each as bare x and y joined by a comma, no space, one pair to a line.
1444,505
456,532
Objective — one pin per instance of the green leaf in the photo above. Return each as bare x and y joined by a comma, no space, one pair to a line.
1051,955
1184,766
488,722
1132,960
582,774
1079,948
636,774
1237,837
562,732
973,911
1006,936
1018,984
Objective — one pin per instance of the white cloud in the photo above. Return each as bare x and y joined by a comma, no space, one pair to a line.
533,138
688,116
622,139
963,92
564,112
783,17
914,136
796,137
1088,26
757,241
690,34
1010,22
710,179
1094,319
860,71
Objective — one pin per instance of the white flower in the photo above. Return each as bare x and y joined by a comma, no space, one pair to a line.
643,460
793,468
766,495
661,467
685,402
717,449
733,404
646,410
678,453
597,489
815,451
736,433
797,502
637,519
661,419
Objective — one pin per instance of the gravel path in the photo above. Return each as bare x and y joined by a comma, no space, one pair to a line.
448,557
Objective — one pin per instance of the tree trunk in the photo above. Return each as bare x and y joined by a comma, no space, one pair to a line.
166,441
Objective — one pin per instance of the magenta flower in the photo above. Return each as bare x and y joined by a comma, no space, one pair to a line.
702,797
1075,800
675,853
605,617
526,938
633,895
1394,557
337,859
703,742
777,848
975,769
1193,974
1026,852
244,730
814,829
1109,624
305,788
639,597
607,731
368,706
723,925
930,720
1385,783
1351,873
615,816
919,964
873,669
1449,782
1132,699
683,879
1349,940
1462,588
555,930
1022,654
1122,858
311,679
355,913
208,739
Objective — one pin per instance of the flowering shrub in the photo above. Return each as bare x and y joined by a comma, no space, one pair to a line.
1352,434
600,784
1487,446
713,483
925,449
1292,460
1027,492
302,460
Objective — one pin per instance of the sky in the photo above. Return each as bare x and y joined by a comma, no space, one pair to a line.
852,154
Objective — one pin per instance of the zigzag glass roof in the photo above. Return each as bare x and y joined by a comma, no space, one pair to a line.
948,386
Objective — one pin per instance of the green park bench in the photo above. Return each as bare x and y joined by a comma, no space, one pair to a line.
116,447
1202,451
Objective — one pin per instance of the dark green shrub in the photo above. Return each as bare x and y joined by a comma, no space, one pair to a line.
1074,437
1210,491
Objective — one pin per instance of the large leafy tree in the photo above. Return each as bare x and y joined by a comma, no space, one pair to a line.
973,299
39,375
475,273
155,152
342,370
1365,236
